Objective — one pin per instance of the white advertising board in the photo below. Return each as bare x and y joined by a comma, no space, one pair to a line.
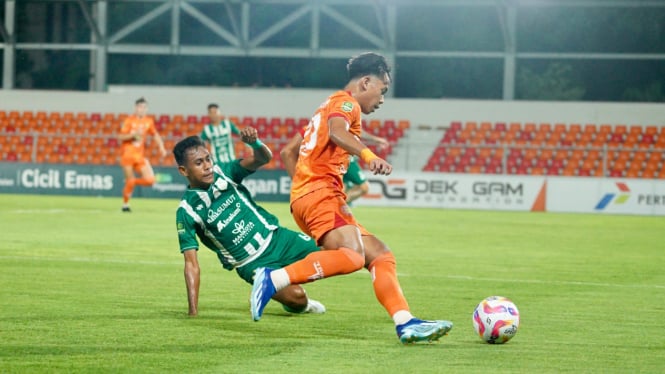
606,196
456,191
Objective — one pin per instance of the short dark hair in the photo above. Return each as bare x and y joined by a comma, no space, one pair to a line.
141,100
185,145
213,105
368,63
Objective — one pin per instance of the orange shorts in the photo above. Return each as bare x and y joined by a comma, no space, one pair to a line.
135,160
323,210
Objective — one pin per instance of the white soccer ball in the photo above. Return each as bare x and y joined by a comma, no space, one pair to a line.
496,320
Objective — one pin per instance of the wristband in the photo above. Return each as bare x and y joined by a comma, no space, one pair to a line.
256,144
367,155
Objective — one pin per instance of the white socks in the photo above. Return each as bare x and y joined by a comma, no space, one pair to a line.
280,279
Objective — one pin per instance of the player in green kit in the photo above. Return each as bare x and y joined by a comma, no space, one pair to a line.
219,134
220,211
355,181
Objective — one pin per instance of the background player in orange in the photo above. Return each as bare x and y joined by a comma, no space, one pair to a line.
132,136
319,207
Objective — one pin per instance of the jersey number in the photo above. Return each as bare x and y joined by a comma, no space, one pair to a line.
311,133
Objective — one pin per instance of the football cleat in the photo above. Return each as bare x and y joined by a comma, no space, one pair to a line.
313,306
262,290
126,209
417,330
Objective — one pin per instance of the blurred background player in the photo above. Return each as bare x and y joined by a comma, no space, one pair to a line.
319,206
132,136
218,209
355,181
219,134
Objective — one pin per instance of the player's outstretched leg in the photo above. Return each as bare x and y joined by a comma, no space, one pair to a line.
417,330
262,290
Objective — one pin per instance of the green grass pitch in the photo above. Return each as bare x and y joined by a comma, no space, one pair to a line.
86,288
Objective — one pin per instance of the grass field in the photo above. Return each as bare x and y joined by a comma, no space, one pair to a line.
85,288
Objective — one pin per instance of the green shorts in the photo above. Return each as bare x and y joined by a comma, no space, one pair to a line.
354,174
286,247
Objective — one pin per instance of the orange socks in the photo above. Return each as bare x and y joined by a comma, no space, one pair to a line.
127,191
386,285
324,264
129,186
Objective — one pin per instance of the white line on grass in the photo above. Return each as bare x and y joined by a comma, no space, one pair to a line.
567,283
91,260
362,273
54,211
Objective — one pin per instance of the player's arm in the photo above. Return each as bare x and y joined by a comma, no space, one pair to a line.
290,153
381,142
124,133
356,192
160,143
347,141
234,129
261,155
192,280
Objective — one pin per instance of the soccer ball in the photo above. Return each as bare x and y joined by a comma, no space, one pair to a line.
496,320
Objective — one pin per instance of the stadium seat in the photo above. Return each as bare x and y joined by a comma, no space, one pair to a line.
455,125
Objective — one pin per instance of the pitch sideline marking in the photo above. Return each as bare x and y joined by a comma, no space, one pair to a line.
450,276
567,283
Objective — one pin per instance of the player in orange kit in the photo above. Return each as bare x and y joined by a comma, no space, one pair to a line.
132,136
319,207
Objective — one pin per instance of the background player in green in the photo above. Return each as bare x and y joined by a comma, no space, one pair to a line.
220,211
219,134
355,181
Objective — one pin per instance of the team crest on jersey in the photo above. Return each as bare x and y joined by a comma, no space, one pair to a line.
347,106
181,228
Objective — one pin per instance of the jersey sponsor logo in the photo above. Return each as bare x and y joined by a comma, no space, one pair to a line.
347,106
213,214
181,228
318,272
221,224
242,230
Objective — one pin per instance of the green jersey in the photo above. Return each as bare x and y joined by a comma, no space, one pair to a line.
354,173
221,143
225,218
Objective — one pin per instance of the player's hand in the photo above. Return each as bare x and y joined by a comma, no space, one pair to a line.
380,166
163,152
249,135
382,143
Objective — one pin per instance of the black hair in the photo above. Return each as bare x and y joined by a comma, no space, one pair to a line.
213,105
141,100
368,63
185,145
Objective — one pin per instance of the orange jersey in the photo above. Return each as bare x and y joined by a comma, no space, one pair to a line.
144,126
322,163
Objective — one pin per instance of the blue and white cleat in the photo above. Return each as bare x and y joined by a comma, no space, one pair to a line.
262,290
417,330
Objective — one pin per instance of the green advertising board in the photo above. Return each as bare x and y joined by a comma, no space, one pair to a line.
89,180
